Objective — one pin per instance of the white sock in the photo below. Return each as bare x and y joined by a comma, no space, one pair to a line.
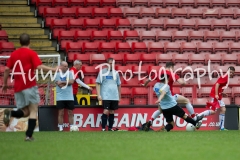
190,109
60,127
71,125
221,120
155,114
205,113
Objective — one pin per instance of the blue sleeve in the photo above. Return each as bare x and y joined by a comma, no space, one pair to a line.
165,88
57,78
98,80
71,75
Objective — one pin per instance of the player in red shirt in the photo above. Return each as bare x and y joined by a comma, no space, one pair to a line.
179,98
77,64
24,61
217,93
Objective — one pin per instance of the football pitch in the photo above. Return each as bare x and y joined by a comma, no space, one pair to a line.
199,145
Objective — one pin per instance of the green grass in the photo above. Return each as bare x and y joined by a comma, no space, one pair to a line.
201,145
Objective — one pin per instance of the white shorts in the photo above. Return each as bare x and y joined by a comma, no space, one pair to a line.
221,103
175,96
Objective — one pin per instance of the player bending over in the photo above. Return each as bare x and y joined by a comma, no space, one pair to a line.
217,92
169,68
169,105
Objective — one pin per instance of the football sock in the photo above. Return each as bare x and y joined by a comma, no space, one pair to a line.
190,120
221,120
168,127
191,110
60,126
110,121
155,114
205,113
104,121
71,125
18,114
31,127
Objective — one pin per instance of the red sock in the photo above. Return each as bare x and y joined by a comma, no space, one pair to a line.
193,115
152,119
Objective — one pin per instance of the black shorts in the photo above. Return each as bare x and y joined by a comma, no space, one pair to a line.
110,104
65,104
176,110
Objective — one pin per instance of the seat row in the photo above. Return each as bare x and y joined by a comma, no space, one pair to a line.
134,3
76,12
181,60
151,47
154,36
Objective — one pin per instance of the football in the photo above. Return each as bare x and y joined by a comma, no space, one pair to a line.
74,129
190,127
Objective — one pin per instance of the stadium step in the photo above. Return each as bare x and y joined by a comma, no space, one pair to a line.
40,49
17,14
15,8
40,36
13,2
15,20
18,31
34,43
21,25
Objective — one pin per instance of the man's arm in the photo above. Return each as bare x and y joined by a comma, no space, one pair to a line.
216,90
146,82
119,91
46,68
6,75
82,84
161,97
98,91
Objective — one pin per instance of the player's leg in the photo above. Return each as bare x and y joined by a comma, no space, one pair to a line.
222,115
153,117
106,108
113,107
60,107
70,107
183,100
168,114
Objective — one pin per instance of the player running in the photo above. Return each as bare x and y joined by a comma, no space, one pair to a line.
216,93
179,98
169,105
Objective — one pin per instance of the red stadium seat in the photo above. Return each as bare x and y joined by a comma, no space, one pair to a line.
123,23
232,3
163,35
74,47
126,94
91,24
148,59
115,13
196,59
171,23
90,71
187,24
140,3
131,59
155,23
84,12
66,35
139,47
203,23
194,12
174,3
163,12
125,70
100,12
95,3
213,58
75,24
233,24
211,35
3,35
229,59
90,47
83,36
117,57
155,47
179,35
131,35
99,36
179,12
131,12
162,58
75,3
226,13
218,3
220,47
188,47
181,58
85,58
203,3
107,47
115,36
6,47
227,35
108,3
236,13
59,3
140,95
147,35
139,23
187,3
97,58
195,35
67,12
51,12
219,23
124,3
57,25
155,3
204,46
123,47
171,47
200,101
210,13
107,24
147,12
43,3
234,47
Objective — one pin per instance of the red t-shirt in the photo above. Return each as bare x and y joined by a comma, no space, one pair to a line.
171,79
29,61
222,82
75,84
